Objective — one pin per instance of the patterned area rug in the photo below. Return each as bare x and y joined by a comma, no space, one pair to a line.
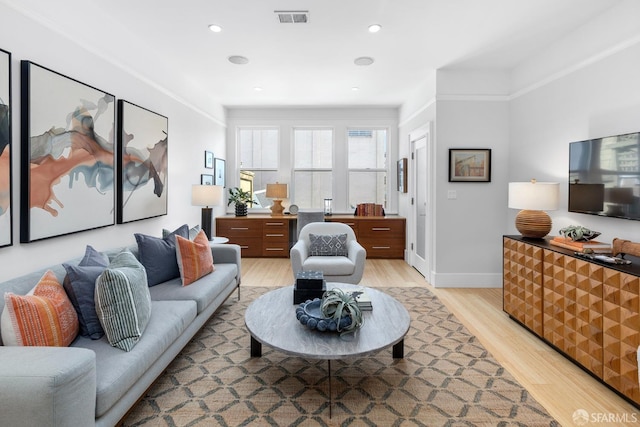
446,378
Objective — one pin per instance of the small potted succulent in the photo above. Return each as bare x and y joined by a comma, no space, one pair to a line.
337,304
241,198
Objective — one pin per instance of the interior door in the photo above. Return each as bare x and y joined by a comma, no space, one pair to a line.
420,233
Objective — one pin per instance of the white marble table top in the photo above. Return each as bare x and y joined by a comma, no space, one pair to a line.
271,320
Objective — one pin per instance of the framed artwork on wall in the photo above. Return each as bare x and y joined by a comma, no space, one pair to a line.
219,172
67,155
6,180
208,159
469,165
206,179
402,175
142,163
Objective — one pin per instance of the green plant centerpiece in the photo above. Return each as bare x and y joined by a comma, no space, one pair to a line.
337,304
241,198
578,233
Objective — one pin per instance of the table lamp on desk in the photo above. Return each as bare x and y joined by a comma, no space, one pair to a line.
206,195
534,198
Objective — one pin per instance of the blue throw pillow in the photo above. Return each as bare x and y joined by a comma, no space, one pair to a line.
158,255
80,283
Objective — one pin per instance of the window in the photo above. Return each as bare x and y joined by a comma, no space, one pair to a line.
313,161
367,163
258,148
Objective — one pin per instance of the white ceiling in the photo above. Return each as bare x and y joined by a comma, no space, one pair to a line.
168,43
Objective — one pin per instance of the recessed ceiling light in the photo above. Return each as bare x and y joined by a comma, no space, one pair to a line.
215,28
374,28
355,88
239,60
257,89
363,60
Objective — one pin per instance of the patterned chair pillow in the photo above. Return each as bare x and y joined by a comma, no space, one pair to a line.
328,244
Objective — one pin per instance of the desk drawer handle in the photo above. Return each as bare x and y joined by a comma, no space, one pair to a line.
351,224
239,228
274,249
244,247
381,247
275,235
274,223
381,228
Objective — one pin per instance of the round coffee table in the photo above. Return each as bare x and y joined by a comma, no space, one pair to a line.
271,320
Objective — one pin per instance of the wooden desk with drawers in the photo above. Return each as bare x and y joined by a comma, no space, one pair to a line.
263,235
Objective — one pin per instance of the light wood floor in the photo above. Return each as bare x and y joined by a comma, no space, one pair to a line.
559,385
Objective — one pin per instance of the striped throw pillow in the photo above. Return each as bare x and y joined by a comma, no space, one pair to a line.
43,317
194,258
123,302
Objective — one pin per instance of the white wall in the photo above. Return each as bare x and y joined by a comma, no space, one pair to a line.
191,131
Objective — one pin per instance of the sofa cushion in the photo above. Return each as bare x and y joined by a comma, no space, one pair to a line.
194,258
80,284
327,244
159,255
44,317
193,232
330,265
203,291
117,370
122,301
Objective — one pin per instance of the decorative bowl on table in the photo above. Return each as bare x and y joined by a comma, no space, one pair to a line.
310,315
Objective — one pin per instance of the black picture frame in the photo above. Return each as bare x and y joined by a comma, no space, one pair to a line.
402,175
219,172
6,149
66,187
208,159
206,179
143,159
469,165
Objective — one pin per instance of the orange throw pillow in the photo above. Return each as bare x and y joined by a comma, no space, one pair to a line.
194,258
44,317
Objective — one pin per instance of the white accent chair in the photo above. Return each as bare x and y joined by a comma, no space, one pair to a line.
346,269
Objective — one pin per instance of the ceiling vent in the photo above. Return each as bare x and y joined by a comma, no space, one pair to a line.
292,16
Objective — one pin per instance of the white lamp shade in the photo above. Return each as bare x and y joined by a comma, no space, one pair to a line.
539,196
206,195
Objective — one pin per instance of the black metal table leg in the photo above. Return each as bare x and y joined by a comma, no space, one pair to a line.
398,350
256,348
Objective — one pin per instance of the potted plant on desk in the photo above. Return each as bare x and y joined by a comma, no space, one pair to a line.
241,198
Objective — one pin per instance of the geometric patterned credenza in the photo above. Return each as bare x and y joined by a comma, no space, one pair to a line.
587,310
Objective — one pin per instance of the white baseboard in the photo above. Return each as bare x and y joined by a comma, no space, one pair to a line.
466,280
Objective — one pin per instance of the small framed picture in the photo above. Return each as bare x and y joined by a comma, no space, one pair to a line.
219,172
206,179
402,175
469,165
208,159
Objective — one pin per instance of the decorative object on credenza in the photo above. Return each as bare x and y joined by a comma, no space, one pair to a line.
533,198
142,163
277,192
469,165
207,196
337,304
6,177
582,246
402,175
67,159
328,207
208,159
219,172
206,179
578,233
241,199
623,247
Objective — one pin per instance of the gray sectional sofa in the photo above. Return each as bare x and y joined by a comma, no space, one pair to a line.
92,383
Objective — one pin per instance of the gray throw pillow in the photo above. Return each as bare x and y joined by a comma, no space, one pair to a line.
123,302
80,284
328,244
158,255
193,232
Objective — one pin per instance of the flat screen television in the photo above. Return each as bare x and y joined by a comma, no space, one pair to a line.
604,176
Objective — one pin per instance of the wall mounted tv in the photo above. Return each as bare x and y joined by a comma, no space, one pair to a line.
604,176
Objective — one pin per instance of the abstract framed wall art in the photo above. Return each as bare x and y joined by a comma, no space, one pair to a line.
67,155
469,165
142,163
6,221
219,172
